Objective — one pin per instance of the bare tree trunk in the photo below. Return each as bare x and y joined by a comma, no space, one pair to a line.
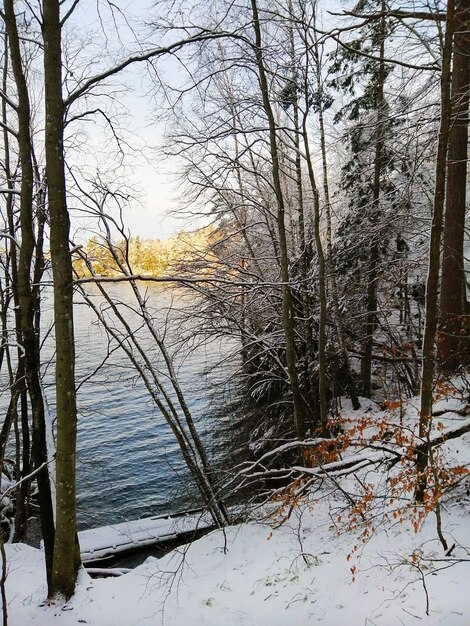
3,579
372,275
432,284
351,386
26,317
242,224
18,386
452,345
305,247
66,550
322,378
287,308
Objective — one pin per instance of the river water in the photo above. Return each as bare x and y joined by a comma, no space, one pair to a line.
129,464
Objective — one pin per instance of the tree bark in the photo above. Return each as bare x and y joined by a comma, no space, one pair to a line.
18,384
432,283
453,287
287,308
25,300
372,275
322,377
351,386
302,225
66,552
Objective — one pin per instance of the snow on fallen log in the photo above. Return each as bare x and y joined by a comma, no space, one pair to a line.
106,541
450,405
107,572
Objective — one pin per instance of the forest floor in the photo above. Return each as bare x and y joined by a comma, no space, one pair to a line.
354,550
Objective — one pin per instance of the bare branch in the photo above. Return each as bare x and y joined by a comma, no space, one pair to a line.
414,15
138,58
24,479
433,67
8,100
69,12
9,129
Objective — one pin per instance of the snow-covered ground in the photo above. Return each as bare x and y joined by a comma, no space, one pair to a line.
316,567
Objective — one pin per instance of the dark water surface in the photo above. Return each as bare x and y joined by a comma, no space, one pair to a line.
129,464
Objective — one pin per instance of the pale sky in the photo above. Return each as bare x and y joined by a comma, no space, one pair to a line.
151,175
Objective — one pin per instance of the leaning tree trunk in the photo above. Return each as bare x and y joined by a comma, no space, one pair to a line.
66,553
432,284
452,345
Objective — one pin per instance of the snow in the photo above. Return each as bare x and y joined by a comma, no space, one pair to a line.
315,568
6,483
260,579
98,543
449,404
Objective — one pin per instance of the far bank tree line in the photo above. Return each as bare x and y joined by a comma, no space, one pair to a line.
153,257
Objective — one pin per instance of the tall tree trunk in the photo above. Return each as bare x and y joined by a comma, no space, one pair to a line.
432,283
18,385
305,247
351,386
452,345
372,275
287,308
26,317
322,378
66,552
